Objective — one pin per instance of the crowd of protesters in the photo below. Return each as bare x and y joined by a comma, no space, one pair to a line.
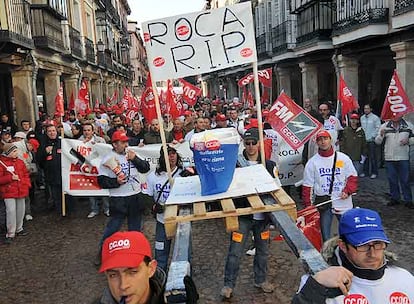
31,160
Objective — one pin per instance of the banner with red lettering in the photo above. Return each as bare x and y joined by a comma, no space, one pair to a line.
265,78
148,101
81,162
292,122
348,101
82,102
59,108
190,92
396,102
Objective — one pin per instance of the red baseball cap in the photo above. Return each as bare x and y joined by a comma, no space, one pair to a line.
188,113
221,117
124,249
354,116
119,136
323,133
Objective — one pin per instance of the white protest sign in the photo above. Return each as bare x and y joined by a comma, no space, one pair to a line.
201,42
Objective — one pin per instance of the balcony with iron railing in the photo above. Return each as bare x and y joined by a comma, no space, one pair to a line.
352,15
314,25
90,50
113,13
46,30
105,59
283,37
75,42
261,45
403,6
15,25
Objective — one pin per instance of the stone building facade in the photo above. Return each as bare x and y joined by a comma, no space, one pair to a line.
45,43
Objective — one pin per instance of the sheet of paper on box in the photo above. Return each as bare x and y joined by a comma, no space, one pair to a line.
246,181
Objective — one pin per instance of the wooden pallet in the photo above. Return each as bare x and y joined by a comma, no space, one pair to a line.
228,211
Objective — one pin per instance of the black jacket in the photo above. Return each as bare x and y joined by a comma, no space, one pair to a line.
157,284
51,163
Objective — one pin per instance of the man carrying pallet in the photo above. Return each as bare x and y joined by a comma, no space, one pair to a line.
257,223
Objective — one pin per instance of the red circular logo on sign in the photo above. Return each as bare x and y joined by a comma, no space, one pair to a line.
246,52
399,298
159,61
213,144
182,30
146,37
356,299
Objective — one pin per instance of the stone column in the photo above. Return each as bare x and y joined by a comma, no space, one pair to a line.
71,86
52,84
310,82
404,62
348,68
283,81
95,91
23,94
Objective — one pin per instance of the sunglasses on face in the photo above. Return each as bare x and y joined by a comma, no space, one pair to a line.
250,142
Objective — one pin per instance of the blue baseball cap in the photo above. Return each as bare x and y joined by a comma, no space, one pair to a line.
360,226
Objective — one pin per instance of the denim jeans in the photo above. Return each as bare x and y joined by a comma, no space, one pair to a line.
95,205
398,173
358,166
236,251
371,162
119,209
326,218
162,246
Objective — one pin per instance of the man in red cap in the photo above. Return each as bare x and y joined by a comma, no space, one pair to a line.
353,143
132,275
329,175
221,121
119,172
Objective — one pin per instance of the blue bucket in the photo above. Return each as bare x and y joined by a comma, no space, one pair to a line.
216,168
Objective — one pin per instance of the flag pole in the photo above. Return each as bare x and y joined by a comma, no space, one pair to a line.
62,135
162,133
259,111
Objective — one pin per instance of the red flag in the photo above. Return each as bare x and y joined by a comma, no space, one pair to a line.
349,103
265,96
82,103
112,100
174,106
59,109
96,107
250,99
71,102
265,77
396,102
293,123
148,101
190,92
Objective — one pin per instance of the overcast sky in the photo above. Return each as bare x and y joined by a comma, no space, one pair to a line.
144,10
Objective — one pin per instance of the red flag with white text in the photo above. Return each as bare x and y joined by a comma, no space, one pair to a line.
59,108
396,102
148,101
292,122
190,92
82,103
265,78
174,106
348,101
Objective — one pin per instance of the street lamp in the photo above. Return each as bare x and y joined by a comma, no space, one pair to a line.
100,45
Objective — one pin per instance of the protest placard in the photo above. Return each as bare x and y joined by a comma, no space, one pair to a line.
202,42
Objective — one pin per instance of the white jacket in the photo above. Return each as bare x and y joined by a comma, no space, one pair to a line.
393,150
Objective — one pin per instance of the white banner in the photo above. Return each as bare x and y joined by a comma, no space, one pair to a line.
202,42
80,164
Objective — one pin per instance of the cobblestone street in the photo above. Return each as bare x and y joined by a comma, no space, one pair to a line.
54,263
